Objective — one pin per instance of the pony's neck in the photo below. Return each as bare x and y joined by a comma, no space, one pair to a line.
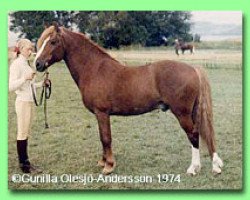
82,56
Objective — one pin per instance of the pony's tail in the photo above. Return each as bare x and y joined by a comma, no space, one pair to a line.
204,115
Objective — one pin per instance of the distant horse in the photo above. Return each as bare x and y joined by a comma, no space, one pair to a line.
110,88
183,47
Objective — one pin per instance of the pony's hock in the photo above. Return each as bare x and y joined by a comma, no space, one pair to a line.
110,88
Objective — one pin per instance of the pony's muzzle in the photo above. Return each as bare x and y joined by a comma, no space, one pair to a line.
40,65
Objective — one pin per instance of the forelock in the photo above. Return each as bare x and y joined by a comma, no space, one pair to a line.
46,33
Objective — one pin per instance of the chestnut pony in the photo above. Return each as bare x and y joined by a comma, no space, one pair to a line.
109,88
179,45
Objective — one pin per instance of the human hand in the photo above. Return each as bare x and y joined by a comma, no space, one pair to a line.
30,76
46,83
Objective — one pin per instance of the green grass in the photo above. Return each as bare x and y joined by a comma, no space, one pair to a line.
148,144
223,45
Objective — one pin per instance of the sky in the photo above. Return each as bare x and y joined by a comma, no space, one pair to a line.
218,17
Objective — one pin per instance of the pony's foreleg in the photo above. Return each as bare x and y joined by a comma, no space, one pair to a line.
107,160
177,52
187,124
193,50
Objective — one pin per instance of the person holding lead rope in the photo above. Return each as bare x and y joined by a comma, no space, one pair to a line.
21,76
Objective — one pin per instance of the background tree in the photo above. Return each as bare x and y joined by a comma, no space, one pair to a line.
30,24
197,37
110,28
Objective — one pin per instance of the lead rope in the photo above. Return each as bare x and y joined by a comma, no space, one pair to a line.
46,91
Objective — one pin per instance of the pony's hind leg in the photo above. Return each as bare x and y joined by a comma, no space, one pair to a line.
107,161
187,124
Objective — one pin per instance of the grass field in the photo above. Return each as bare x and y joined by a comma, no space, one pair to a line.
144,145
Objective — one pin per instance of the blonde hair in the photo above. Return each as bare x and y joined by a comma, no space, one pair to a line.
24,43
21,44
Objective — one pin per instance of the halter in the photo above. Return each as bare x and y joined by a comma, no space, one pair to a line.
46,91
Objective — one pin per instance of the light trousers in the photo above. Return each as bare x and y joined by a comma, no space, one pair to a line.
24,111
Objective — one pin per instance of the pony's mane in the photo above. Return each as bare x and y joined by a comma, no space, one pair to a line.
95,45
50,30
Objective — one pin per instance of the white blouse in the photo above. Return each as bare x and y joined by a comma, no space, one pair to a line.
18,70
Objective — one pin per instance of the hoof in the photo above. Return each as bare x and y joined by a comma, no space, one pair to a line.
217,164
193,169
108,169
216,170
101,163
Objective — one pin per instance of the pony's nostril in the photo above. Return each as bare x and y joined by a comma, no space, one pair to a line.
37,64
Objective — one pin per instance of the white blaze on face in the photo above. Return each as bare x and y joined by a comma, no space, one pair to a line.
40,50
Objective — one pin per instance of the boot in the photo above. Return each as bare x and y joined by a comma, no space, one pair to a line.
24,163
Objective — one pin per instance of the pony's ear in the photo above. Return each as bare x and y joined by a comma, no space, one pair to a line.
45,25
56,25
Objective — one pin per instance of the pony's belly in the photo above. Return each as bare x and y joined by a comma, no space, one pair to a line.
131,111
137,110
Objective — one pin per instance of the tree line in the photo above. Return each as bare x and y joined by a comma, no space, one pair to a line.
110,28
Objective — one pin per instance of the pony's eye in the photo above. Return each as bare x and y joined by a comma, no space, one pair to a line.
53,42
